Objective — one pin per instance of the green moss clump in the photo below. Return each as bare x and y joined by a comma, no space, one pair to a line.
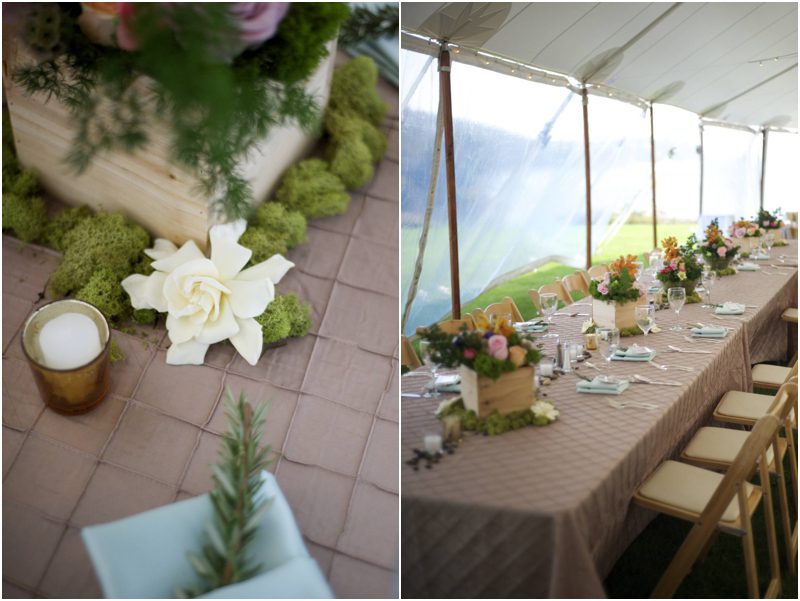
104,241
299,45
285,317
25,215
145,317
494,423
65,221
353,90
726,271
262,243
104,291
351,161
25,183
278,220
115,353
311,189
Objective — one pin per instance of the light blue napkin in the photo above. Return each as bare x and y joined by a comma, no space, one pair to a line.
748,267
759,257
144,556
709,332
653,289
598,386
446,383
634,353
730,308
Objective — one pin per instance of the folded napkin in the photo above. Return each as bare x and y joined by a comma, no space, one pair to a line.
748,267
653,289
759,257
634,353
709,332
446,383
729,308
600,386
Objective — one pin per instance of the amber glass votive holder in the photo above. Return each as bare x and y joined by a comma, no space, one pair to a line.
75,390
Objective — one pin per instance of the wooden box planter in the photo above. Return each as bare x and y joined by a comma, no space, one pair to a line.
145,185
613,314
748,245
513,391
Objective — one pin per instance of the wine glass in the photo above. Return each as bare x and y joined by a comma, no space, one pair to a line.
607,343
549,302
655,262
426,353
676,297
709,279
645,316
769,240
639,270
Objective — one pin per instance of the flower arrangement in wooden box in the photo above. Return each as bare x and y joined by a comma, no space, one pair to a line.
717,249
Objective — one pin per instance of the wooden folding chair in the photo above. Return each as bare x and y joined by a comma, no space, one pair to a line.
534,294
575,282
790,317
597,271
407,355
744,408
451,326
712,501
507,305
558,288
716,448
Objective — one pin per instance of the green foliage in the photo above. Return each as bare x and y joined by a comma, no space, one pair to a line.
115,353
43,29
494,423
620,288
262,243
299,45
285,317
236,505
24,183
25,215
726,271
103,241
103,290
312,190
367,23
215,118
275,231
354,113
64,222
146,317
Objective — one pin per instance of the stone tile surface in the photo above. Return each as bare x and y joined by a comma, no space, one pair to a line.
152,440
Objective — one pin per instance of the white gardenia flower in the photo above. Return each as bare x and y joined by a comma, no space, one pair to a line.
545,409
208,300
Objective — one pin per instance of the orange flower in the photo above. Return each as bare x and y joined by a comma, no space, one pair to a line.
503,326
482,323
625,262
516,355
670,248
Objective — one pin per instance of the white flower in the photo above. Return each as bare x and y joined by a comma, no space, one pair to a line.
545,409
208,300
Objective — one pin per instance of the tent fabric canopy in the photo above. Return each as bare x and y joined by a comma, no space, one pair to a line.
730,62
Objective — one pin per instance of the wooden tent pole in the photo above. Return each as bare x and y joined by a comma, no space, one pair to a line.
763,164
585,94
653,175
702,173
450,172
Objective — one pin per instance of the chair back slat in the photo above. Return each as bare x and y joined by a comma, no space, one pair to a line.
597,271
407,355
575,282
534,294
559,290
507,305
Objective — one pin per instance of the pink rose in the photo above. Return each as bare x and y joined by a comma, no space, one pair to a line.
722,251
125,38
258,21
469,353
498,347
739,232
607,277
602,288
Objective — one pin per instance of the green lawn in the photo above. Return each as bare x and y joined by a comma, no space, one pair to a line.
631,239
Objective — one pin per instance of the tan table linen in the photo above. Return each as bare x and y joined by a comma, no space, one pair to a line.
545,512
333,423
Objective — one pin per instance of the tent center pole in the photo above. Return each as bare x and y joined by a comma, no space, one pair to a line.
585,94
653,175
450,172
763,164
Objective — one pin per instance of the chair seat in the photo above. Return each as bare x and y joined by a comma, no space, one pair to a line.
684,491
742,407
719,446
790,315
771,376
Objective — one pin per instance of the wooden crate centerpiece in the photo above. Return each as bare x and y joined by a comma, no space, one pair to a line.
513,391
614,314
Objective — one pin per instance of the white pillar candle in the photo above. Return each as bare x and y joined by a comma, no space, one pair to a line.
69,340
433,443
546,368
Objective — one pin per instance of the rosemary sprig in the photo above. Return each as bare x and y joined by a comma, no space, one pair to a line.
237,479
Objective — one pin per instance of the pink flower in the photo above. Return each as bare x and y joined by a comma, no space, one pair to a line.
739,232
728,242
498,347
469,353
765,223
607,277
125,38
722,251
602,288
258,21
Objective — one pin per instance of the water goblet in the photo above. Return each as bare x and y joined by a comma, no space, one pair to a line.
676,297
607,343
769,240
709,279
645,316
639,270
549,302
427,356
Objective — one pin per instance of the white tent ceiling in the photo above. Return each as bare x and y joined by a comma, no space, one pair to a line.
703,57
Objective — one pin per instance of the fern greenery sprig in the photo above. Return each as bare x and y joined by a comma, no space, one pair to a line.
236,511
369,23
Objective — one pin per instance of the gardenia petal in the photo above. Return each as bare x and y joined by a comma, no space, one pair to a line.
250,299
146,292
162,248
272,269
221,328
181,329
190,352
187,252
227,254
249,341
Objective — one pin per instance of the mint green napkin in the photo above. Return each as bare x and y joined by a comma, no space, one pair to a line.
709,332
634,353
748,267
730,309
597,386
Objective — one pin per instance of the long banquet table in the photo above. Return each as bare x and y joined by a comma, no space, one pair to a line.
546,512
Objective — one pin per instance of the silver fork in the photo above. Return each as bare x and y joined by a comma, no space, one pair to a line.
668,367
617,404
680,350
704,339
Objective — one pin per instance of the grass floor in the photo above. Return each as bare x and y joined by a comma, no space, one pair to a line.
631,239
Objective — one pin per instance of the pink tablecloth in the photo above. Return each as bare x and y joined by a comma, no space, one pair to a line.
546,512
